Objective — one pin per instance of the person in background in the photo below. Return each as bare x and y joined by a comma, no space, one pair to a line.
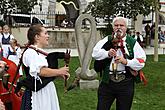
116,56
152,35
161,36
14,53
0,34
139,39
36,66
1,30
64,23
5,40
147,29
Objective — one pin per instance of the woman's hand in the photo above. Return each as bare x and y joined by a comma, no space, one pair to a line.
63,72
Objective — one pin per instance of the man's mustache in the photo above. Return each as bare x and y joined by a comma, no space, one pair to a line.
119,30
118,33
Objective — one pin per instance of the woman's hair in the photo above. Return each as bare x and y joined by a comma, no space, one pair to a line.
32,32
15,41
5,26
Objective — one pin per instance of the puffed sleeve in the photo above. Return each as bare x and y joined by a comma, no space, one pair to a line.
139,59
11,36
18,52
35,61
98,52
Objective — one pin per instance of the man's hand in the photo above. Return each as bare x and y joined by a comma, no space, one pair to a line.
112,52
120,59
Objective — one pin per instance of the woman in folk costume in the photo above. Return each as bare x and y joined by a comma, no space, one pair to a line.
36,66
5,40
14,53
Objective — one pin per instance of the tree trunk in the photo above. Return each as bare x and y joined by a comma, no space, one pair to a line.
156,32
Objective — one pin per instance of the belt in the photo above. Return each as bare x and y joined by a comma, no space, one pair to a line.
118,72
119,76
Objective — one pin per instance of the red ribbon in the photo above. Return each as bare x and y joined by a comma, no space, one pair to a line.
142,77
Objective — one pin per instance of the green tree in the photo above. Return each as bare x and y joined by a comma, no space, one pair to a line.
126,8
6,6
25,6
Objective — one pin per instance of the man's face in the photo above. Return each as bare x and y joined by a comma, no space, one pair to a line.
120,28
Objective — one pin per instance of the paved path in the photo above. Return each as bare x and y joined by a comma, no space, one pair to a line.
74,52
150,51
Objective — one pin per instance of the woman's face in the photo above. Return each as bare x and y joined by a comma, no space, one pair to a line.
43,37
12,43
6,30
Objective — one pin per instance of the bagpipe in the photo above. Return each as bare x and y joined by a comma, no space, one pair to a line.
52,59
113,42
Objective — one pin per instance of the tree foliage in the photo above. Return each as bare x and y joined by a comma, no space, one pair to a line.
126,8
25,6
6,6
112,8
9,6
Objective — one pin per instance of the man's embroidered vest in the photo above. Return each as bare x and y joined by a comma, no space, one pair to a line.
103,65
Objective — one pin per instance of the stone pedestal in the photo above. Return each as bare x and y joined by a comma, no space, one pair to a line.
89,84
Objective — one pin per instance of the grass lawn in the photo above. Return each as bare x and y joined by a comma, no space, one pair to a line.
150,97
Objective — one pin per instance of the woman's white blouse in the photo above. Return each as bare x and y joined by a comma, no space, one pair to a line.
46,98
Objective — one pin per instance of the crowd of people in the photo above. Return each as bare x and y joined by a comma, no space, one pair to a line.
150,31
10,48
147,38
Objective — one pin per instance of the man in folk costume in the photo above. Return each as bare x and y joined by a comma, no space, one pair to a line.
116,57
